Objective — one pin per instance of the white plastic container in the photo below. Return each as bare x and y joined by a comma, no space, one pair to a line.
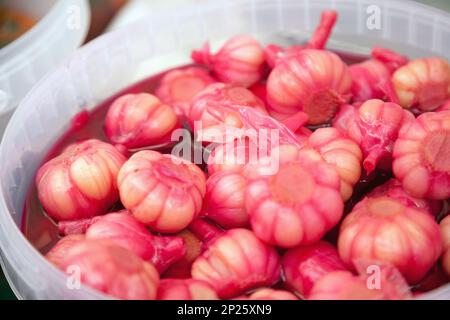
116,60
60,29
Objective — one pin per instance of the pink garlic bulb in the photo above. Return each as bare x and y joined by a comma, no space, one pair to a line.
370,80
179,86
374,126
140,120
297,83
421,156
445,233
209,106
236,262
268,294
283,216
343,285
181,269
394,189
161,191
384,229
185,289
224,199
341,152
81,181
305,265
57,253
111,269
423,83
239,62
124,230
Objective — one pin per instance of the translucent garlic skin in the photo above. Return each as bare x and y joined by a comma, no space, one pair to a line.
239,62
305,265
125,231
181,269
179,86
57,253
214,105
140,120
111,269
81,181
343,285
394,189
185,289
283,216
236,262
341,152
423,83
161,191
386,230
224,199
316,82
268,294
375,126
445,233
422,156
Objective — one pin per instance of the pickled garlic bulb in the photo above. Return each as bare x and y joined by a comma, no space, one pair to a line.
283,216
236,262
112,269
161,191
316,82
224,199
343,285
342,152
394,189
239,62
305,265
81,181
179,86
423,83
374,126
386,230
57,253
124,230
214,106
422,156
140,120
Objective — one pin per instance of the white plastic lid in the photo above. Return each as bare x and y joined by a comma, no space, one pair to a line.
59,32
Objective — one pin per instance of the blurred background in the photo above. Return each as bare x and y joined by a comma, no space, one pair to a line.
107,15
